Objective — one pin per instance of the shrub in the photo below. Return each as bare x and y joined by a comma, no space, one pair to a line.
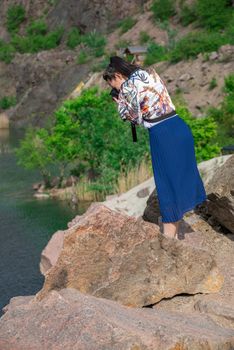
83,57
37,42
213,83
100,66
87,129
155,53
194,43
38,27
187,14
126,24
213,14
7,52
204,132
163,9
224,114
15,16
7,101
74,38
144,37
230,31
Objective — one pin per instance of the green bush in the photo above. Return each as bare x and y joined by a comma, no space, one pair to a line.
89,130
100,66
83,57
213,83
7,52
37,42
144,37
15,16
96,42
38,27
194,43
155,53
163,9
126,24
187,14
74,38
7,102
213,14
204,132
224,114
230,31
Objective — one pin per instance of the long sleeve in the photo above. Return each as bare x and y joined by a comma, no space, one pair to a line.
128,102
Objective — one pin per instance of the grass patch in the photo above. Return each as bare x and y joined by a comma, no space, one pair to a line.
14,17
126,24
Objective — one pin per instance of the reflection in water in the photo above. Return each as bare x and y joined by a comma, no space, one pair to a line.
26,223
4,141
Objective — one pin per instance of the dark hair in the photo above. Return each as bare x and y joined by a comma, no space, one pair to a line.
119,65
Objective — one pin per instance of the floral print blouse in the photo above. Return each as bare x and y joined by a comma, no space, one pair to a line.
143,94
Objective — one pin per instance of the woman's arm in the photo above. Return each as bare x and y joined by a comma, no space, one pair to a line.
128,103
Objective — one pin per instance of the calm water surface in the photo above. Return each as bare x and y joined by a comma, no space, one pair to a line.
26,223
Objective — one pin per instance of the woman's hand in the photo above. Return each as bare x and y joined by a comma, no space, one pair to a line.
115,99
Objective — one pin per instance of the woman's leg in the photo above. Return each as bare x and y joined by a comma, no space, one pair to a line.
171,229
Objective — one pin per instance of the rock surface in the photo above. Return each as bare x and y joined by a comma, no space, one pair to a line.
114,256
68,319
220,306
221,194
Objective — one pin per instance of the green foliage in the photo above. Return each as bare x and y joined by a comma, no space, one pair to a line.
126,24
213,14
155,53
7,52
87,129
35,42
230,30
74,38
194,43
83,57
187,14
33,153
100,66
144,37
96,42
213,83
15,16
122,43
38,27
7,101
204,132
224,115
163,9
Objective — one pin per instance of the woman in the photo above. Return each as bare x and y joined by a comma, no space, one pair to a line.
144,100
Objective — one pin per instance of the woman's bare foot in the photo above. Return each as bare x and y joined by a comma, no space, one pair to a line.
171,229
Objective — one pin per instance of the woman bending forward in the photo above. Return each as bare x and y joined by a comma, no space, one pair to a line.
142,100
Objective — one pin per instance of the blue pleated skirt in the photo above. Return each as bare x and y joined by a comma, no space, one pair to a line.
177,179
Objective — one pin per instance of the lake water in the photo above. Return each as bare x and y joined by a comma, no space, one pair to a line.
26,223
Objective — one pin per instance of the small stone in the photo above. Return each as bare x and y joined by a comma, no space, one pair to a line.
213,56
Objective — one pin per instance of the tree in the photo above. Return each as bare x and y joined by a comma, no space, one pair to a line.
33,152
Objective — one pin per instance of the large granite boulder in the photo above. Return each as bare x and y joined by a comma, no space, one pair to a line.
114,256
68,319
196,232
220,191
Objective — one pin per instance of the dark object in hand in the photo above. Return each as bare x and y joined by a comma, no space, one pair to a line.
114,93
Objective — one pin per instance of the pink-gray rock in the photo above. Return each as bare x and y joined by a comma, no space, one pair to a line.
69,319
220,191
111,255
50,253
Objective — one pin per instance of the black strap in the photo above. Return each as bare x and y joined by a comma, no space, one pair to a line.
133,125
173,112
134,134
